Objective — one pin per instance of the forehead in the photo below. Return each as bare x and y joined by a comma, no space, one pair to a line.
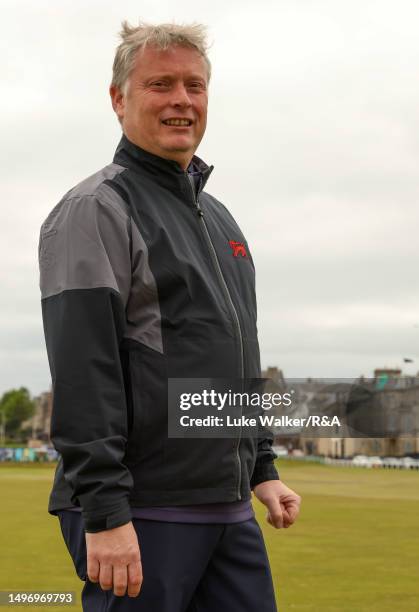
176,60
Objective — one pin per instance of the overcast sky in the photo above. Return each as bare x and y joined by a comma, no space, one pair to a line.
313,130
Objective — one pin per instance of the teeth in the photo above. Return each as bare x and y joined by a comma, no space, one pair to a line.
177,122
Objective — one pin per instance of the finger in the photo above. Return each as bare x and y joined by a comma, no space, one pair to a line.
93,569
275,514
135,578
287,519
105,576
120,580
293,511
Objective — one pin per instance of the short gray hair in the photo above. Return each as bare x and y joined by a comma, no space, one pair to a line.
162,36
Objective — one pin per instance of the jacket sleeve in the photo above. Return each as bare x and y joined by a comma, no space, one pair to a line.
264,467
85,270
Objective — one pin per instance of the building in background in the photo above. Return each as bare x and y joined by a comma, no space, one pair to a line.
380,415
39,424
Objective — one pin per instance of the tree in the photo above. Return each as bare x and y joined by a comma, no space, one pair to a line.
16,406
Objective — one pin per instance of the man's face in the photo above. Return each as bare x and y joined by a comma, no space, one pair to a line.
169,84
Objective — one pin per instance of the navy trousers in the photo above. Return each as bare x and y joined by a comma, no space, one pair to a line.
186,568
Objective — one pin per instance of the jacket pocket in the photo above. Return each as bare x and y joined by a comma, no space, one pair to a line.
147,395
202,463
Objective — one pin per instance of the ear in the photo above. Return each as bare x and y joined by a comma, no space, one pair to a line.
118,101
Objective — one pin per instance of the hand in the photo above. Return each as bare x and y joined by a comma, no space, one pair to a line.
282,502
114,560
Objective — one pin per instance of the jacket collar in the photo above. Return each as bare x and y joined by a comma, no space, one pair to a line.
166,171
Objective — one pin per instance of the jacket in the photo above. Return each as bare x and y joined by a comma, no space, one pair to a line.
141,280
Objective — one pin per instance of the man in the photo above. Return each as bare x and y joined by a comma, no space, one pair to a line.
140,284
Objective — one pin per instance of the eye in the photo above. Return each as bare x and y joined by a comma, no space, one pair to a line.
159,84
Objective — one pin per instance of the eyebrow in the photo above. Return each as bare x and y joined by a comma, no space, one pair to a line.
170,76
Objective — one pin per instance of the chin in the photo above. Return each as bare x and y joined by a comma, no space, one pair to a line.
182,148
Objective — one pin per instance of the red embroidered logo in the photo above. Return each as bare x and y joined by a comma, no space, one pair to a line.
238,248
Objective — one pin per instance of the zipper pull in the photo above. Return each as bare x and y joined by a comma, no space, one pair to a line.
198,208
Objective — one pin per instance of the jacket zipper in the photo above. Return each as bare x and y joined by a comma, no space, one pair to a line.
229,300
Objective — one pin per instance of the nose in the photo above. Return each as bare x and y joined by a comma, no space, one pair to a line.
180,96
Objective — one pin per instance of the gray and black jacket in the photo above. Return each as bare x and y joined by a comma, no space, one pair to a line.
140,283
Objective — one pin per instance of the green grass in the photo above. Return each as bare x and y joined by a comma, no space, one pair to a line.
354,548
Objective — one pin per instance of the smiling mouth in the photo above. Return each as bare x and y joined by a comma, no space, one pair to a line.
178,123
178,127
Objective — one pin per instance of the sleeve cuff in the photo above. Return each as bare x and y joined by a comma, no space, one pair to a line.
262,472
113,516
